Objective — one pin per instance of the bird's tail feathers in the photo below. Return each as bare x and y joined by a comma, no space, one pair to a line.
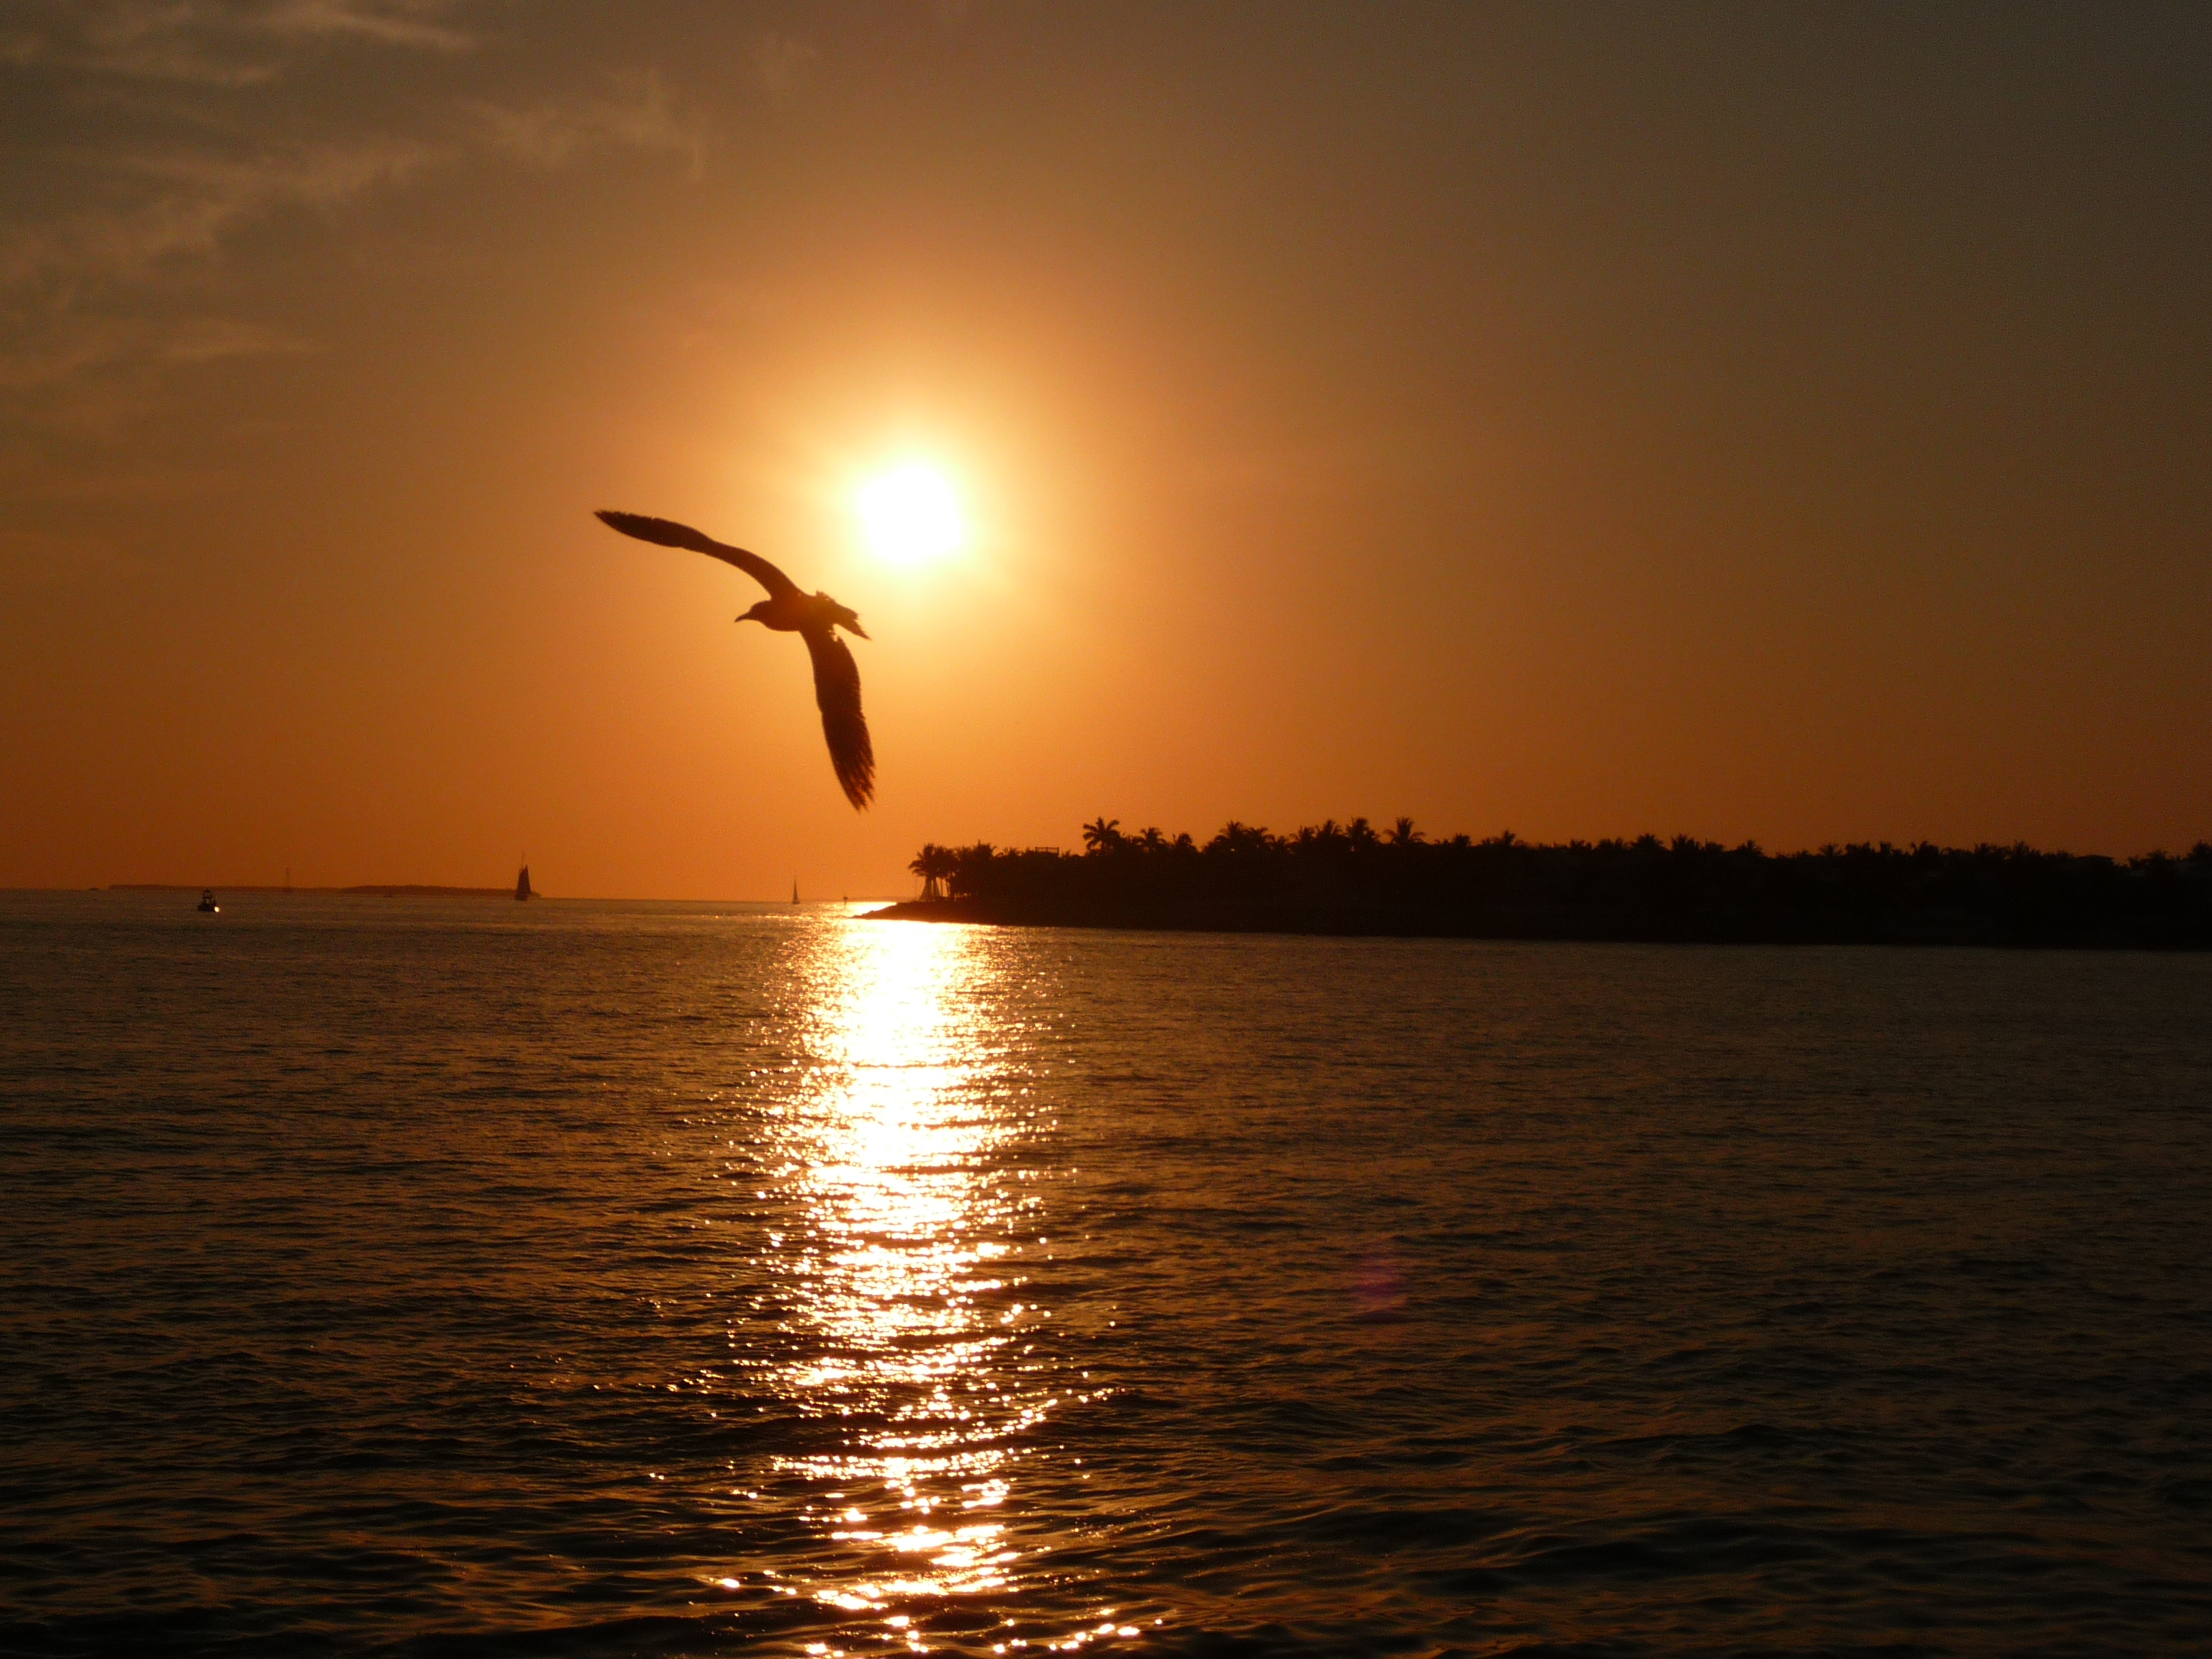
842,615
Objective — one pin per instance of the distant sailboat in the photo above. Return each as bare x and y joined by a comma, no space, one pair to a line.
794,889
522,884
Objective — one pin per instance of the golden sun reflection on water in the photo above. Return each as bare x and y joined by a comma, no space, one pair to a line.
903,1284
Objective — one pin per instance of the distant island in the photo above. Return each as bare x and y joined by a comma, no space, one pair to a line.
1352,879
372,889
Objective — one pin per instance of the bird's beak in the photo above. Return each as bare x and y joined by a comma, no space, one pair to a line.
861,631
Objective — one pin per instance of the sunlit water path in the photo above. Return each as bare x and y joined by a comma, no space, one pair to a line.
657,1278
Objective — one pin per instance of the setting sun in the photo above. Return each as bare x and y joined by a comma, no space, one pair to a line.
910,513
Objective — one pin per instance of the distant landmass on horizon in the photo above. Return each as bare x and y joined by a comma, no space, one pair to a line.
1352,880
371,890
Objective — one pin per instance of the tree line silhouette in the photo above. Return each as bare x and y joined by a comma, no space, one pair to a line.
1353,878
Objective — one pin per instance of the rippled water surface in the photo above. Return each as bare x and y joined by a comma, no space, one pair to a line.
452,1276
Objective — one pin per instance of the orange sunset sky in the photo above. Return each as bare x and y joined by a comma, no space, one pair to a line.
1777,422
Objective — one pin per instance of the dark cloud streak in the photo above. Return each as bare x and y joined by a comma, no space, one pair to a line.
208,43
160,135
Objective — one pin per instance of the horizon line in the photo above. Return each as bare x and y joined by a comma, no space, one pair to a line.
427,889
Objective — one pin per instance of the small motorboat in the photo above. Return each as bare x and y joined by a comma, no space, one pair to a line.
208,906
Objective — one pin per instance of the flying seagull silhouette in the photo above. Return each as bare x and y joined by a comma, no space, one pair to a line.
815,617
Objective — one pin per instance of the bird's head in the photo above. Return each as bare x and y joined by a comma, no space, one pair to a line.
754,615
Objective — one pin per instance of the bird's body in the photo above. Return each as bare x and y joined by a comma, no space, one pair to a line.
795,612
815,618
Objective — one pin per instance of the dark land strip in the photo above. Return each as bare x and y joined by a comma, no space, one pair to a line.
373,889
1352,879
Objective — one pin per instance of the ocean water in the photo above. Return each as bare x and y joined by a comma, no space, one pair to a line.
460,1277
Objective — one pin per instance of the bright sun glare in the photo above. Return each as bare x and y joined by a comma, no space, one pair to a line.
910,513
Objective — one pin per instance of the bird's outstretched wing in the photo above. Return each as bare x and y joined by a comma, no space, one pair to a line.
667,533
838,694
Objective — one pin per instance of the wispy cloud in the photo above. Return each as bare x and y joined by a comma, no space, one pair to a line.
217,43
157,205
637,114
94,341
208,340
87,375
782,64
388,22
112,249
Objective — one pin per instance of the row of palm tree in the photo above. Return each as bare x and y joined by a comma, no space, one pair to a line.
1102,836
1355,865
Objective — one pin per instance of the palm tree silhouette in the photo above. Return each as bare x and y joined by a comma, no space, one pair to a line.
934,864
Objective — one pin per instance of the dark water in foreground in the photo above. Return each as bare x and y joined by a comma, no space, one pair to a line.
455,1277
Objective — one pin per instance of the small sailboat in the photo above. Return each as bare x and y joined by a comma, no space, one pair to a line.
794,889
207,905
522,885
